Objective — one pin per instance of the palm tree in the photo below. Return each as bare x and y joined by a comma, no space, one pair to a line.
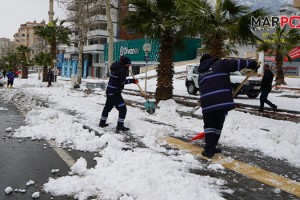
12,60
23,52
279,44
221,26
159,19
44,60
54,32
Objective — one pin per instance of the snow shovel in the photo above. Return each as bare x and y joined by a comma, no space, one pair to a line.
199,136
148,105
244,81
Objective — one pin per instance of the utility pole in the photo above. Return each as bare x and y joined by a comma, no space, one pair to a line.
50,12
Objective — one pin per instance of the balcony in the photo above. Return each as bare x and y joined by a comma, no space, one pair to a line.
74,38
93,48
97,32
71,49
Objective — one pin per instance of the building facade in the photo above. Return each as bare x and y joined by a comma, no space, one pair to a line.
128,42
25,36
6,46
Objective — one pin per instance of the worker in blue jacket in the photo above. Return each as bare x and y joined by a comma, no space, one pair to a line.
216,96
10,78
117,80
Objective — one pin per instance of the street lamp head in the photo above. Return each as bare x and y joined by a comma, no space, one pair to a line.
147,47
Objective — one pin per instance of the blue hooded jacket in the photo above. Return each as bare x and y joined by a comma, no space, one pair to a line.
214,83
11,75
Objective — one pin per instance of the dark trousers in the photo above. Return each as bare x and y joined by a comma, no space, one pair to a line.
213,125
10,82
49,83
264,99
114,100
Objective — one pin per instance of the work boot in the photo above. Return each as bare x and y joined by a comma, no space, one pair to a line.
103,125
218,150
122,128
208,155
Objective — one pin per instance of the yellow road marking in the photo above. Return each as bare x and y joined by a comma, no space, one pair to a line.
269,178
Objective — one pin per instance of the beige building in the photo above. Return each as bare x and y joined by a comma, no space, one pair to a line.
25,36
6,47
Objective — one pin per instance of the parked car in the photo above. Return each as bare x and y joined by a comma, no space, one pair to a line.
2,80
251,87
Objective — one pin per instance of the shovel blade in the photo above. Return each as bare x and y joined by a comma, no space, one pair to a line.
149,107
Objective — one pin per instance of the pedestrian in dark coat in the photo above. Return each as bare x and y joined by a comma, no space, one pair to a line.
216,96
4,73
49,77
266,88
117,80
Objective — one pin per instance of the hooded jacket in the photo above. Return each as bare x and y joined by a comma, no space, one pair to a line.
214,83
117,78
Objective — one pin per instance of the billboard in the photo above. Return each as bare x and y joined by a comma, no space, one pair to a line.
292,68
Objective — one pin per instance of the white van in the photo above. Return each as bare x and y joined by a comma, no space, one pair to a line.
251,88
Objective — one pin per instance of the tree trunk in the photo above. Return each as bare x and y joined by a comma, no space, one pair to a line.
80,53
52,52
39,73
279,71
45,71
24,72
110,30
217,47
165,70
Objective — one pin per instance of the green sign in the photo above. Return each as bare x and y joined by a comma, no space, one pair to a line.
134,50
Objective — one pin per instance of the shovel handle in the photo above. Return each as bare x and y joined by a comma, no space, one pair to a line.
244,81
143,93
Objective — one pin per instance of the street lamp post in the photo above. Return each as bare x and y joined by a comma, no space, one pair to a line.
147,49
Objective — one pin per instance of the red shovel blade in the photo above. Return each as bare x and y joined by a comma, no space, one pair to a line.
199,136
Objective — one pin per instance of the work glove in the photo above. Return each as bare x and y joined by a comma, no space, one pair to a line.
253,65
135,81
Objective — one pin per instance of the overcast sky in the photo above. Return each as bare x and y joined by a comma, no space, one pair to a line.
13,13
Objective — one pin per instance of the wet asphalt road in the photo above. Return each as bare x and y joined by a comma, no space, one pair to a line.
22,160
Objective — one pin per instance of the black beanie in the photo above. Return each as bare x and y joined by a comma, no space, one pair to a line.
125,60
205,57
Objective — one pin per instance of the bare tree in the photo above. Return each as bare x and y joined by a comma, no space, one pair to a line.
85,16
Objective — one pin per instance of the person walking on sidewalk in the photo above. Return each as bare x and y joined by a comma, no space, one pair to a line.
216,96
4,72
266,88
49,77
117,80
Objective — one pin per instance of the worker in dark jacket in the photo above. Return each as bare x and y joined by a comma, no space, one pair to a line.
117,80
266,88
216,96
